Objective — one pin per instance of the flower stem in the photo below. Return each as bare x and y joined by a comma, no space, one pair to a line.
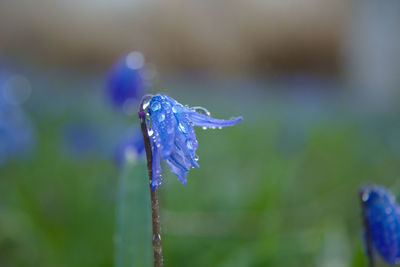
368,243
155,206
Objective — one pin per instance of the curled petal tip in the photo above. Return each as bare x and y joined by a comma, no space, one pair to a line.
237,119
195,164
209,122
156,183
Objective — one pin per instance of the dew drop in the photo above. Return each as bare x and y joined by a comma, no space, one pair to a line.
161,117
150,132
157,238
204,128
365,196
176,108
146,104
189,145
196,158
203,110
155,106
182,128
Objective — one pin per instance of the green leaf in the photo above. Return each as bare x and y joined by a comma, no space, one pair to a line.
133,239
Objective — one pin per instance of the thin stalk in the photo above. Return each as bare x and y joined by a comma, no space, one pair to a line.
155,207
368,242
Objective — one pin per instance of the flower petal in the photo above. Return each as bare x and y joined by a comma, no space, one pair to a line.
179,165
156,180
163,123
185,135
188,146
207,121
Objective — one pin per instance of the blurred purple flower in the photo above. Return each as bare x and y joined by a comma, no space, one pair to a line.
130,146
172,135
126,80
382,215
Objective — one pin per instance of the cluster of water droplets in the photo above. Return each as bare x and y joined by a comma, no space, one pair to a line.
191,143
152,134
207,113
173,138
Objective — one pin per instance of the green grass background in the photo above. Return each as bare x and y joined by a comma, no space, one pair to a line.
278,189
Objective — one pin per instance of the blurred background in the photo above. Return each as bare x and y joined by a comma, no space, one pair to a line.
316,81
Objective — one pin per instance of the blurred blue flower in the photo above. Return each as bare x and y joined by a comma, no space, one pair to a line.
16,131
126,79
130,146
172,135
383,221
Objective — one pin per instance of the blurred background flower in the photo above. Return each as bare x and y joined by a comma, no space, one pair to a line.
382,222
17,136
127,81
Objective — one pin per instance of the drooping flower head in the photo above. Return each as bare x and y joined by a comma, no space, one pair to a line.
172,136
126,79
382,215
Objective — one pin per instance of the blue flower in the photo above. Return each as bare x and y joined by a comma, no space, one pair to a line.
125,79
382,215
172,136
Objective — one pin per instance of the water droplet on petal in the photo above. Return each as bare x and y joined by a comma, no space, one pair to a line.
150,132
155,106
365,196
196,158
182,128
189,145
161,117
146,104
203,110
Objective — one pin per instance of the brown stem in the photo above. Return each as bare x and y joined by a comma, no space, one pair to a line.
155,207
368,242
